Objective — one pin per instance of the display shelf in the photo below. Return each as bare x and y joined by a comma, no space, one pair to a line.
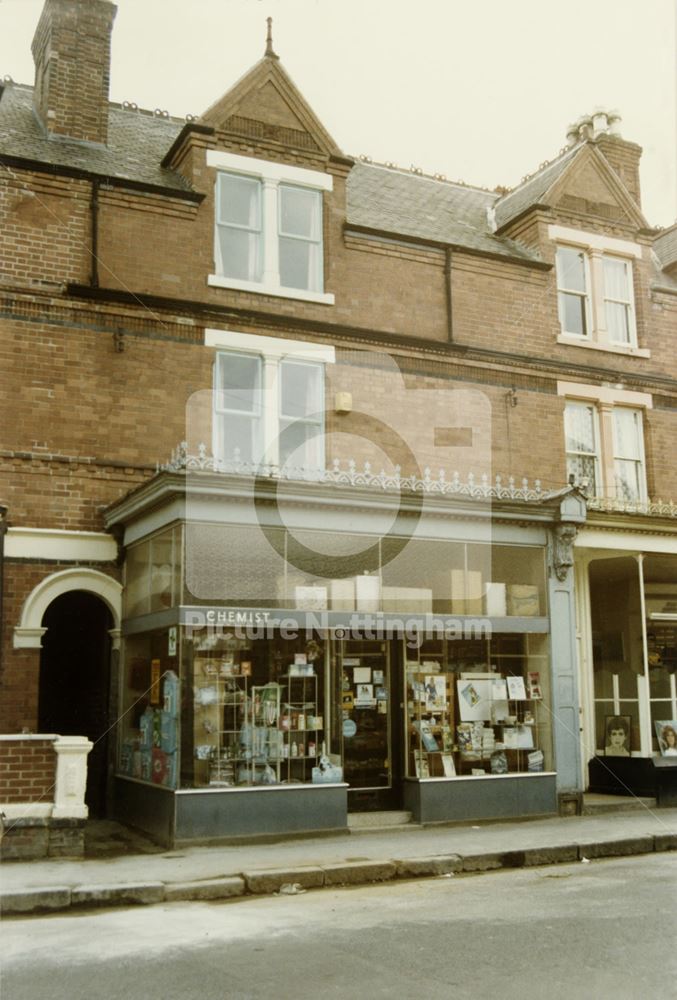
300,727
222,707
430,708
477,727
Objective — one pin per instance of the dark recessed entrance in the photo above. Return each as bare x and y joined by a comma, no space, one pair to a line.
75,681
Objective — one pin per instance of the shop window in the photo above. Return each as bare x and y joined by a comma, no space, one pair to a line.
153,573
269,229
617,652
151,699
257,715
595,296
234,565
478,706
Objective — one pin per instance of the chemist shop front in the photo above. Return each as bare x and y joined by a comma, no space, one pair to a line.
275,677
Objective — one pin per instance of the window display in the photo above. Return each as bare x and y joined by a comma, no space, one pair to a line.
475,707
256,715
149,743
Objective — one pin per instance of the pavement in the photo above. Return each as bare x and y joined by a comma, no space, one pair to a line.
142,873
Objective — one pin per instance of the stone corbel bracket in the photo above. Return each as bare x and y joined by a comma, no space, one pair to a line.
572,514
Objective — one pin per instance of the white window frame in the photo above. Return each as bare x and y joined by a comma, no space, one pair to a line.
628,303
606,402
223,411
562,290
596,455
316,421
271,176
640,460
597,248
273,353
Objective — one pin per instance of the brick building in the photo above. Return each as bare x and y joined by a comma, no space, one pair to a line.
327,485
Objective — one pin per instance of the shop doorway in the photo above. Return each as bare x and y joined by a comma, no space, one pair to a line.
74,695
372,756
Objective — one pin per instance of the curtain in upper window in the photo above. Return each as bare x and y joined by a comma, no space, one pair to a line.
239,227
572,284
617,298
301,415
628,454
300,235
238,407
580,424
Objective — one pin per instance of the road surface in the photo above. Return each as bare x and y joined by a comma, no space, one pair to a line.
607,929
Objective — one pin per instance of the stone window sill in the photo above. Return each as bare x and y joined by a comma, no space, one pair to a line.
322,298
630,352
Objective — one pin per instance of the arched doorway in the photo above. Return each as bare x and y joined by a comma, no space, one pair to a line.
74,695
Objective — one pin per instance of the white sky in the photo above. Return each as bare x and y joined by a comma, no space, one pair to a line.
479,90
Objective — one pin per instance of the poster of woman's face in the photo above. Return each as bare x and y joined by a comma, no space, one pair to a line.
667,737
617,730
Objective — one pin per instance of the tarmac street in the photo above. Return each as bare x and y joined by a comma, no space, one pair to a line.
596,931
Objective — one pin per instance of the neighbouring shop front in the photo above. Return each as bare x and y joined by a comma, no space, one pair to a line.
628,618
277,676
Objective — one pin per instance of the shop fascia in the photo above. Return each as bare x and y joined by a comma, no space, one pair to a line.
258,623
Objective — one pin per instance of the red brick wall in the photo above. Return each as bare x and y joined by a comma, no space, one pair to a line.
74,86
27,770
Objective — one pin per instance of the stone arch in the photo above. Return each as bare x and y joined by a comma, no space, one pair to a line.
29,632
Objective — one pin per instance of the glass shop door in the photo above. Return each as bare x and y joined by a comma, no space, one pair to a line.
368,710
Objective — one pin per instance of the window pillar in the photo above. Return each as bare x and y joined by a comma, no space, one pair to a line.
271,409
643,682
597,295
271,255
606,432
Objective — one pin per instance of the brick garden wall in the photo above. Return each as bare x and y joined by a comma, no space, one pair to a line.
27,770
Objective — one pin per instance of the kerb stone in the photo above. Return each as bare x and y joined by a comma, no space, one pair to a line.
439,864
123,894
617,848
272,879
215,888
359,872
34,900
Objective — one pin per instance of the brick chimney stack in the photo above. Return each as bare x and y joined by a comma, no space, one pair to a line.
71,50
603,128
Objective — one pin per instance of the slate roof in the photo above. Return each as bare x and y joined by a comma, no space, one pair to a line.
398,202
532,190
385,199
137,141
665,246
